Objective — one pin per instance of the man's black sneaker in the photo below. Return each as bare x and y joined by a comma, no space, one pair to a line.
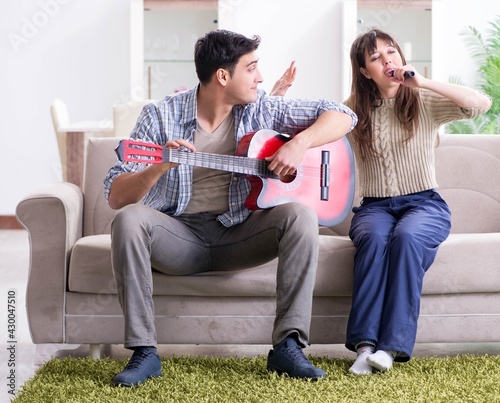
144,364
288,358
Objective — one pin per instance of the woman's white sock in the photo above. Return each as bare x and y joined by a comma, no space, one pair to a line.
360,366
382,359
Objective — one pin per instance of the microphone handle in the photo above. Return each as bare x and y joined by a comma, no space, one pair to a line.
408,74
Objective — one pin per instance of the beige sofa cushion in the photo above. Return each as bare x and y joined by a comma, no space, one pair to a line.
456,270
90,272
97,215
468,174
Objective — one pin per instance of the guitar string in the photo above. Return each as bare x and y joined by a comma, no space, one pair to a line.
259,170
248,165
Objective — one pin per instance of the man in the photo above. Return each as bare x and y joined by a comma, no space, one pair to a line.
193,220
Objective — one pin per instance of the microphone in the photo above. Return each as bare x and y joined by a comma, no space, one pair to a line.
408,74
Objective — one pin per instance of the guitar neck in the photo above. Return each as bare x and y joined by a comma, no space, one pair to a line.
141,152
229,163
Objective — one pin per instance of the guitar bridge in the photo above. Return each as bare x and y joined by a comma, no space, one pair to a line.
325,174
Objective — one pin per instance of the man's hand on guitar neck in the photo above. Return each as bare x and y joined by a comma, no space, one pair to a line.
129,188
176,144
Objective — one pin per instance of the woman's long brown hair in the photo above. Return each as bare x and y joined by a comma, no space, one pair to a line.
365,94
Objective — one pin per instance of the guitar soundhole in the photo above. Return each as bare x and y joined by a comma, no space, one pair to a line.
288,178
288,183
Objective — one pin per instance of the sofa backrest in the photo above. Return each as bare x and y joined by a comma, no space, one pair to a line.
100,156
467,170
468,174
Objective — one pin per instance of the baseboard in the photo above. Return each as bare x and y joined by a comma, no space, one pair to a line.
9,222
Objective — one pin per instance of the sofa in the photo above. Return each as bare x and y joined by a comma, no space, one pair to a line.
71,294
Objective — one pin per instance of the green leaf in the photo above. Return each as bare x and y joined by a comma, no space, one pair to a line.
485,51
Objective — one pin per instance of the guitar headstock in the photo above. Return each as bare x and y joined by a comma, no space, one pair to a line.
139,151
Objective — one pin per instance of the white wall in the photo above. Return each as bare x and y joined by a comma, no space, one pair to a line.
169,39
79,51
86,52
307,31
412,29
449,53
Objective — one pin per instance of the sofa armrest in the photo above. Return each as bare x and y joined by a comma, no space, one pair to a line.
53,217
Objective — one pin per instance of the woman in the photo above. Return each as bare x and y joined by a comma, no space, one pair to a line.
402,220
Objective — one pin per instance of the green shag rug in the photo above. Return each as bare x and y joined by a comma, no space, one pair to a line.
213,379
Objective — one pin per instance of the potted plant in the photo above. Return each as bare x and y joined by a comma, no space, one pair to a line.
486,52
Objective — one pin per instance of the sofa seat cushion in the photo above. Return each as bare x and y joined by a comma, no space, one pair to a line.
455,270
90,266
90,272
466,263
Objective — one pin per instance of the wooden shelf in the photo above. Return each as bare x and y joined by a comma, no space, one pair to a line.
168,61
400,5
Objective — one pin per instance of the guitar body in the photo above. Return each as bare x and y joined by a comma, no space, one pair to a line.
305,186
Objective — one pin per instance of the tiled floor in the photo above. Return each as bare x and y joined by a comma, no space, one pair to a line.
14,263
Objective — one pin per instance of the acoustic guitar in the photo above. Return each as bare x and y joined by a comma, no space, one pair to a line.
323,181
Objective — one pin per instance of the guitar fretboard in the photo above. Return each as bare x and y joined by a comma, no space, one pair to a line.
230,163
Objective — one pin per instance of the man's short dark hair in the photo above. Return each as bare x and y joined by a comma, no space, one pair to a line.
221,49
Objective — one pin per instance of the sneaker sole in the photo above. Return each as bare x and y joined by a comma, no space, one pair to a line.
307,378
132,384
